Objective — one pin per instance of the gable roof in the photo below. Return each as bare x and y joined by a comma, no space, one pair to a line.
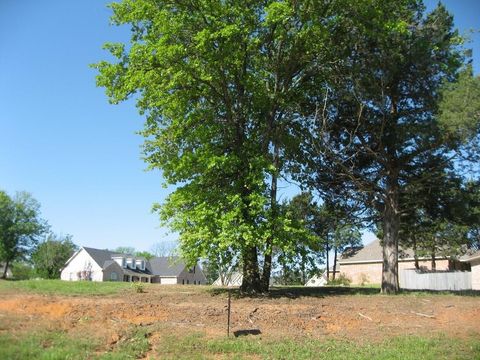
372,252
103,257
166,266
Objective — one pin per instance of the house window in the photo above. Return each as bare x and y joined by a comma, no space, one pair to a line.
113,276
183,281
188,282
194,282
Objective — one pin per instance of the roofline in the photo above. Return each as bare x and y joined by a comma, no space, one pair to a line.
71,258
474,257
381,260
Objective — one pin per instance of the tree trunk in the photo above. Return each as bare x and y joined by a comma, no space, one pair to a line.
334,262
434,264
391,225
267,264
251,278
415,256
327,250
4,275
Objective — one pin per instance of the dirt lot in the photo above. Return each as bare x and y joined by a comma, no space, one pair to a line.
181,309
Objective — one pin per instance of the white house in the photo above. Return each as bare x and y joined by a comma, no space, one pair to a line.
104,265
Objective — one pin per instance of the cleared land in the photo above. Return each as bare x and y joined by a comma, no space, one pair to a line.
50,319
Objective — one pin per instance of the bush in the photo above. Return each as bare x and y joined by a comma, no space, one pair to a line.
138,287
340,280
22,271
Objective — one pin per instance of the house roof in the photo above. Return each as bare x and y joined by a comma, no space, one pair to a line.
372,252
470,256
166,266
104,259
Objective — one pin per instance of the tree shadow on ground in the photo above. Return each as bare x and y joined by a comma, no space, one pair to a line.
293,292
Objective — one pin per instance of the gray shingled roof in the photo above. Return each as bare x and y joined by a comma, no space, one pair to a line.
104,259
166,266
371,252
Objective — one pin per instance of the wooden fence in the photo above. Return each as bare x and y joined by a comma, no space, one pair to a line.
412,279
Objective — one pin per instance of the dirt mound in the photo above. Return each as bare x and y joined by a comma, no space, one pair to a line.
355,317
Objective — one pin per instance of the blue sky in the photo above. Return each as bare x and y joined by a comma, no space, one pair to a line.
63,142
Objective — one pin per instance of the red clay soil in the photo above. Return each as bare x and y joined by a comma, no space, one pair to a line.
185,308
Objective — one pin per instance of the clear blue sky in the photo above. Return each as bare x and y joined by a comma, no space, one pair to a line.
60,139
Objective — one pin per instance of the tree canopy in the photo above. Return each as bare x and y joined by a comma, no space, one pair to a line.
341,95
51,255
21,227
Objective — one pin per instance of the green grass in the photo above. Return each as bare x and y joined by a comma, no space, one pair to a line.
59,287
403,348
53,345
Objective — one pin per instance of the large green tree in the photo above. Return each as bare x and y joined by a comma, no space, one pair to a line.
21,227
52,254
376,124
220,83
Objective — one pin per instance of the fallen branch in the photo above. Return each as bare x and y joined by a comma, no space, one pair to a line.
424,315
366,317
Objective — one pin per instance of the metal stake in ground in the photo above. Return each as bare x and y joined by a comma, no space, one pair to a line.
228,311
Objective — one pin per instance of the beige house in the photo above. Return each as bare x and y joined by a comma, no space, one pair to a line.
474,261
364,265
104,265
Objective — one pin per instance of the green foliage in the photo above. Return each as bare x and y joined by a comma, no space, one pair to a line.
127,250
138,287
22,270
145,254
341,280
376,129
20,226
52,254
220,84
460,107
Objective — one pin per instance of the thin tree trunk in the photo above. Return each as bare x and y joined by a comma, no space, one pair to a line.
334,262
7,264
434,264
415,256
391,225
327,250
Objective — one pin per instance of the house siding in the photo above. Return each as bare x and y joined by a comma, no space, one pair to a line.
371,273
107,273
82,261
168,280
196,277
475,264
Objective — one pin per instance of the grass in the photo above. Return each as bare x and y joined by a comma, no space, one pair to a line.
59,287
54,345
195,346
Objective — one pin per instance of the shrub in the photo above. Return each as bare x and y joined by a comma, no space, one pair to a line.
340,280
138,287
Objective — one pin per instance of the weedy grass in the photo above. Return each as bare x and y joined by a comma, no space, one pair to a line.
53,345
195,346
59,287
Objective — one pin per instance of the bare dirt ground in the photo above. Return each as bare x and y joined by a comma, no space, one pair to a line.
183,309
